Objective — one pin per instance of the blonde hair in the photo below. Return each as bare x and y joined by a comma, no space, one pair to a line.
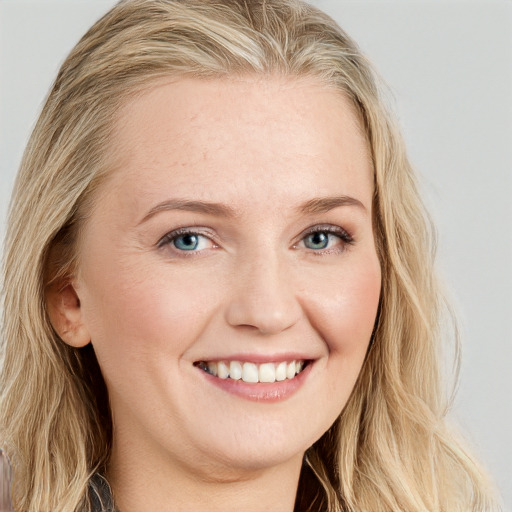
390,448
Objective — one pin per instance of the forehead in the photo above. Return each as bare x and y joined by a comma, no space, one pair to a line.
237,133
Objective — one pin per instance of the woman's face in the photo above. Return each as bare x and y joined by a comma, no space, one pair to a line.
234,237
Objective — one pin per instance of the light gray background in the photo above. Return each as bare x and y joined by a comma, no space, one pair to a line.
449,66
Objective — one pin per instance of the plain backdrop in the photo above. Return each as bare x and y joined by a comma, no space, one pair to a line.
448,65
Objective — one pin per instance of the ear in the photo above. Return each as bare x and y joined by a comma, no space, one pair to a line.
66,314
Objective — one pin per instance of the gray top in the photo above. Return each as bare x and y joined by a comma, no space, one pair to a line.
100,495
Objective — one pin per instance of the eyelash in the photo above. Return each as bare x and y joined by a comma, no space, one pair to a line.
346,239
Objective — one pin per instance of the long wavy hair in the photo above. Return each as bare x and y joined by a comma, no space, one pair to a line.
390,448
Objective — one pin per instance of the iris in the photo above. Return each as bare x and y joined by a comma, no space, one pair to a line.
318,240
187,242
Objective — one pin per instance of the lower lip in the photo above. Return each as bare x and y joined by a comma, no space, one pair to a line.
261,391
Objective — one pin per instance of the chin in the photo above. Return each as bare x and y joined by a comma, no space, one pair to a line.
257,449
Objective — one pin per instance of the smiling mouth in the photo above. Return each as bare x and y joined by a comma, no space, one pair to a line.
253,373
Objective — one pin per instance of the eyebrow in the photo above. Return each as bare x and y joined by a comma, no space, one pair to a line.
206,207
312,206
326,204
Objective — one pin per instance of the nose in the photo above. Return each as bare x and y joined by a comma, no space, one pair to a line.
263,297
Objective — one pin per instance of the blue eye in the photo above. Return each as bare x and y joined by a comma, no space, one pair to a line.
187,242
318,240
324,239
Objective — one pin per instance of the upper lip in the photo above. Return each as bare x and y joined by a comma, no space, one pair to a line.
261,358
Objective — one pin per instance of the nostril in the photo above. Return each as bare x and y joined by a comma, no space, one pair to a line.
266,320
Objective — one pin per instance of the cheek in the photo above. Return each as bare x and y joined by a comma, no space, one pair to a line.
138,310
345,313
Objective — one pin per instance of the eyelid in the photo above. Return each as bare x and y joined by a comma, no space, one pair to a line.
328,228
345,237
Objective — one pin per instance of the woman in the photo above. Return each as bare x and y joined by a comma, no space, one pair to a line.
218,279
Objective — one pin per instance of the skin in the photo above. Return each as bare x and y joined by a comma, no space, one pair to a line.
262,147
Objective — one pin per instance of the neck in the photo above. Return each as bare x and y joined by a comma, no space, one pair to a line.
142,484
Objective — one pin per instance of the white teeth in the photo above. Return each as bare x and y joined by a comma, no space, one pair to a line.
281,371
267,372
222,370
250,372
290,370
235,370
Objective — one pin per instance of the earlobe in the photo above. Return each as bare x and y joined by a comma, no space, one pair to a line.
66,315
